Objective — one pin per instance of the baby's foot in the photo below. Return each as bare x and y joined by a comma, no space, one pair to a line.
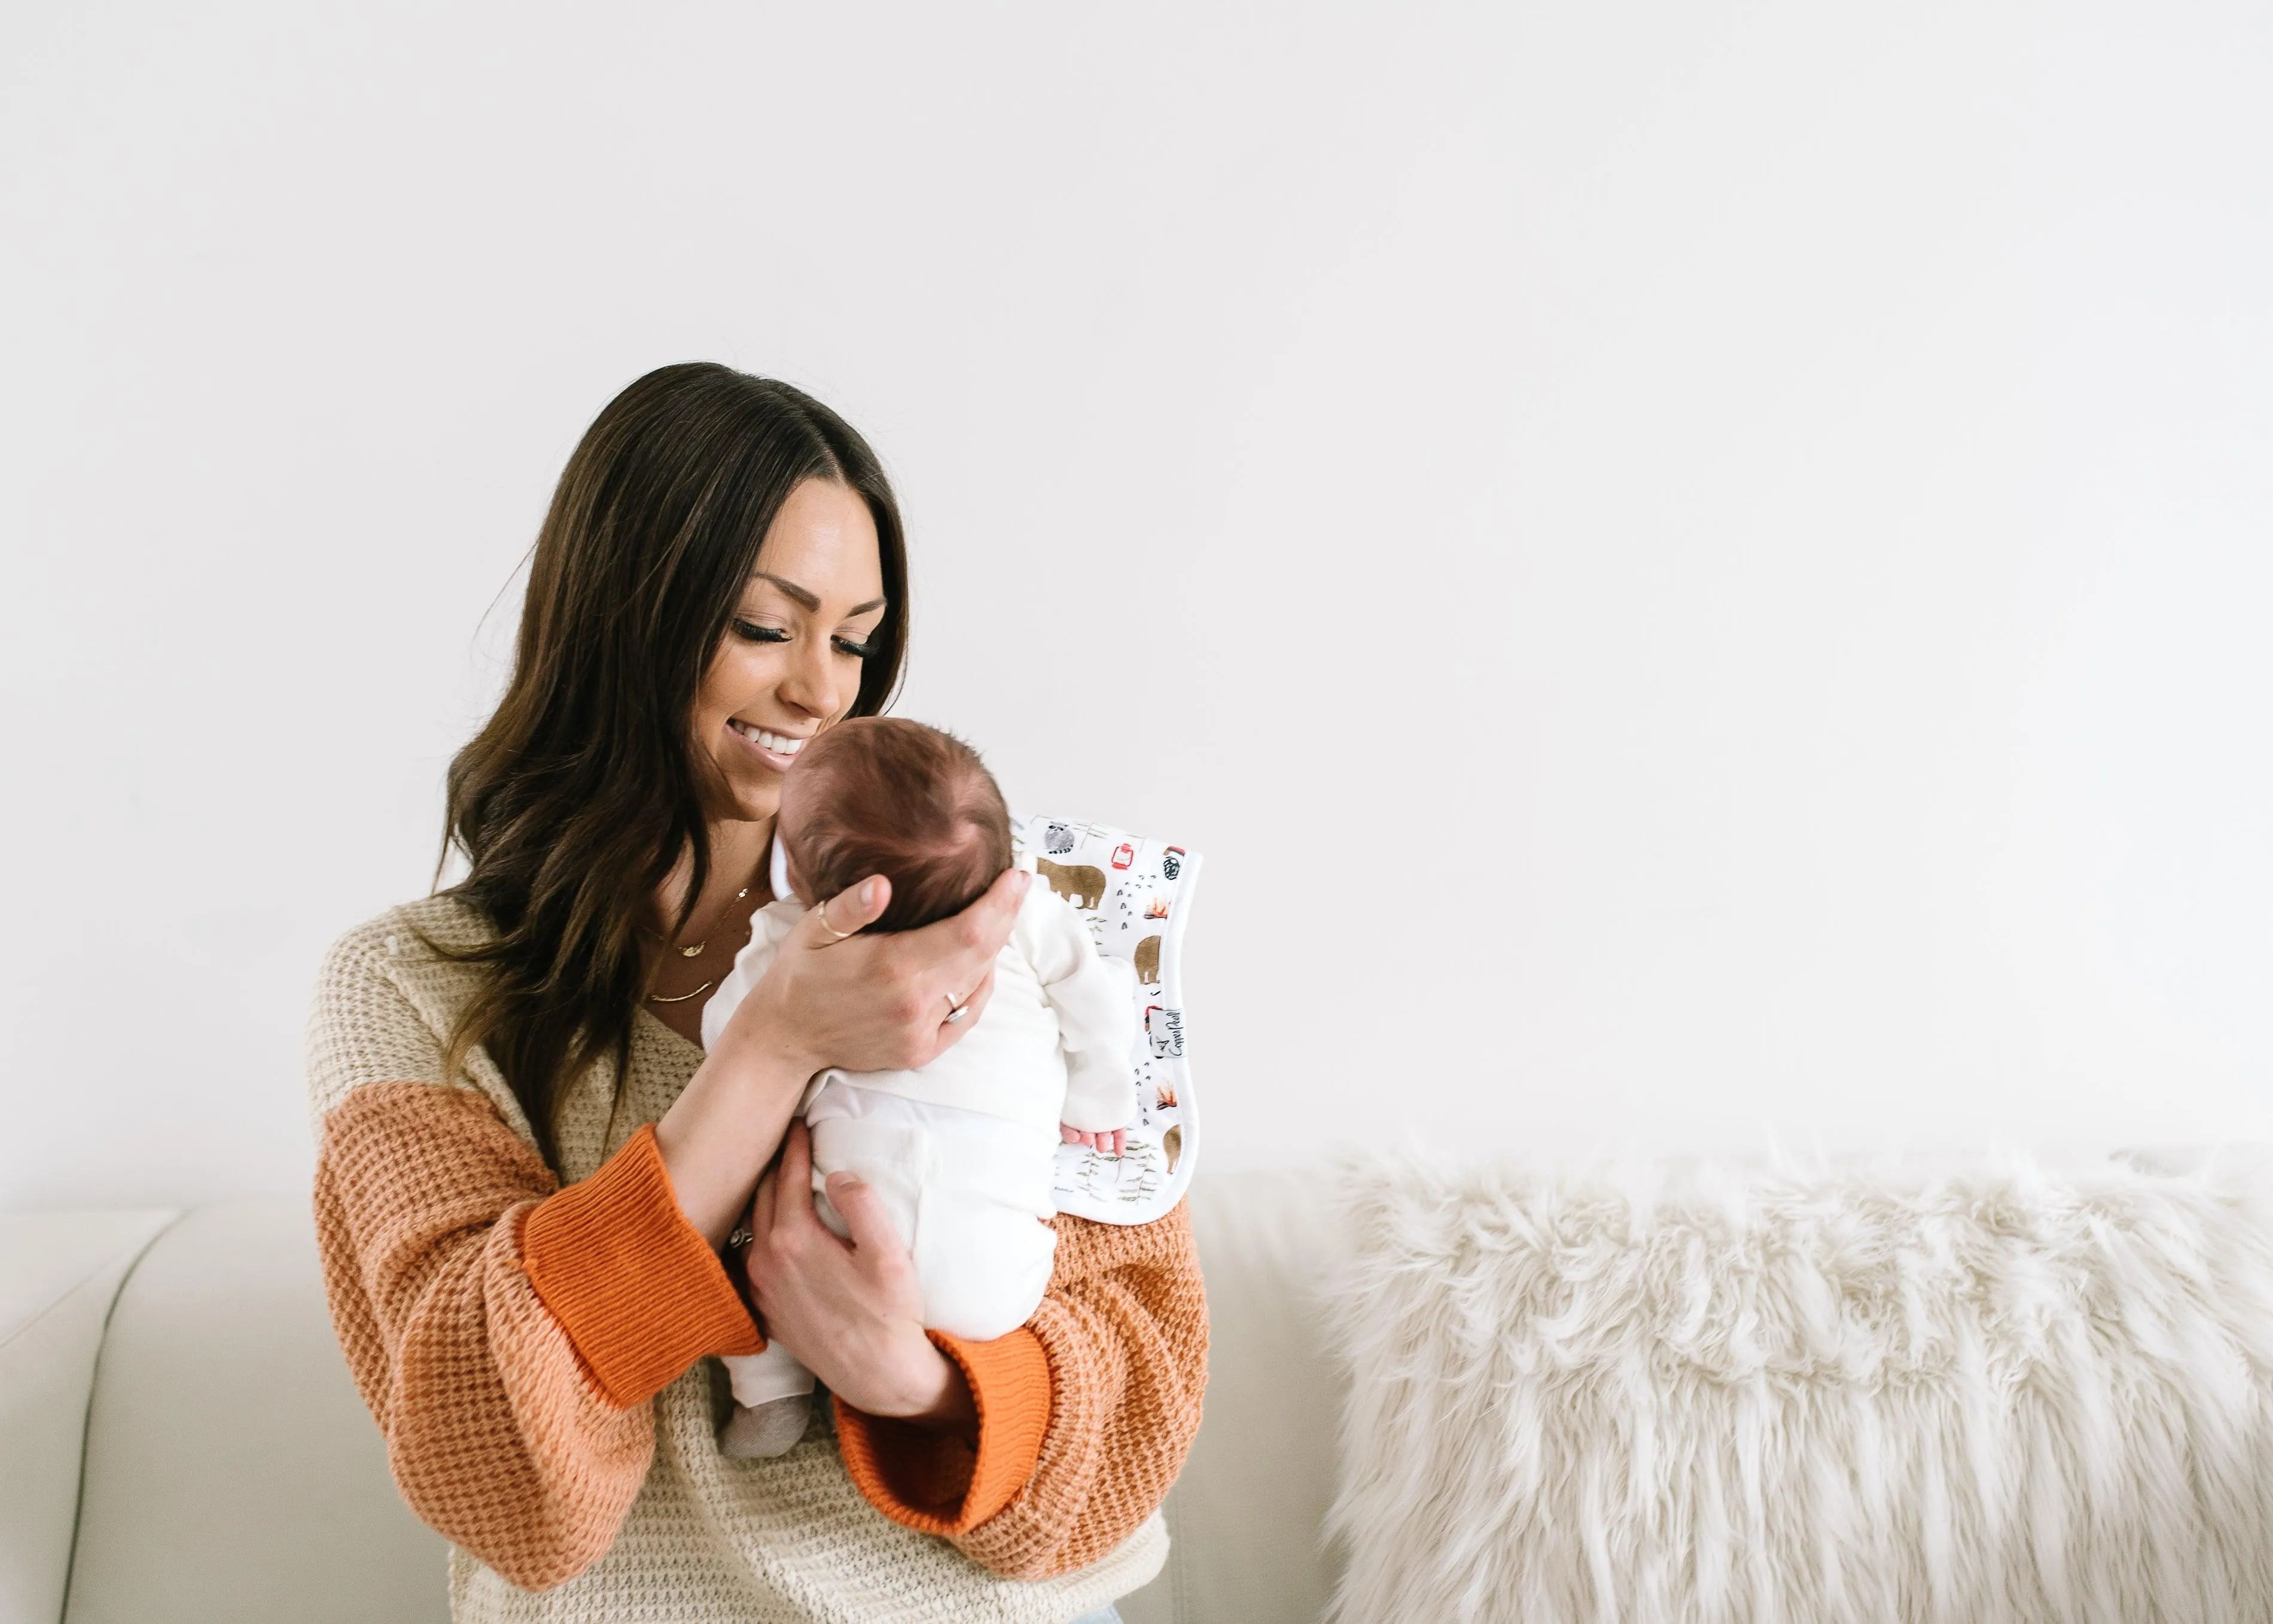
1110,1143
760,1431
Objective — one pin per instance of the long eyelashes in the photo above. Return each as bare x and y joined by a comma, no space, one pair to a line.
750,633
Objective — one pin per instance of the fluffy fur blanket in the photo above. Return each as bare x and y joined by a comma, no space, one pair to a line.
2002,1397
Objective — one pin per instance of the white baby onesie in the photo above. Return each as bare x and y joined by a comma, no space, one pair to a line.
962,1150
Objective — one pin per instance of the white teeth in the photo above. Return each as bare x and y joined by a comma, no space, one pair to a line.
781,744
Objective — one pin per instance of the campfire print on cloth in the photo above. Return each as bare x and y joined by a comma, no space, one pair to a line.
1134,895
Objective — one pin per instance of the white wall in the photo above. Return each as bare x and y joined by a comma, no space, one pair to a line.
1700,572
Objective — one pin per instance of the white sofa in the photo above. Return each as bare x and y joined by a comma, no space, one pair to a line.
179,1441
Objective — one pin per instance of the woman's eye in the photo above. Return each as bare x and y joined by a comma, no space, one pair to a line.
858,651
751,632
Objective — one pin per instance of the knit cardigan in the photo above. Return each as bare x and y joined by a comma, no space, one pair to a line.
538,1354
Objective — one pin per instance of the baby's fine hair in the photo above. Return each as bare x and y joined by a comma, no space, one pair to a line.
880,796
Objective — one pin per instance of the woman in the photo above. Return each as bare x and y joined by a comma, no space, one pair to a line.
534,1191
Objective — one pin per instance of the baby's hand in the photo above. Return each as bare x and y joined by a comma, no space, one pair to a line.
1109,1143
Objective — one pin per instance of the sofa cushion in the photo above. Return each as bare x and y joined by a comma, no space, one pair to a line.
232,1473
1246,1520
59,1274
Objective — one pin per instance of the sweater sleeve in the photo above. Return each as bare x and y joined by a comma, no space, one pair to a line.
1085,1414
506,1333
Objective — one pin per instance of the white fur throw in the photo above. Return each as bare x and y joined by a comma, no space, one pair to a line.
2002,1397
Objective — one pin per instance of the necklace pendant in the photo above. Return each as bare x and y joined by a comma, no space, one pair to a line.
694,951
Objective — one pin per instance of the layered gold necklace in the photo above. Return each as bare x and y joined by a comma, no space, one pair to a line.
694,951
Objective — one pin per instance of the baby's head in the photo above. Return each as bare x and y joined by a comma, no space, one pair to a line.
879,795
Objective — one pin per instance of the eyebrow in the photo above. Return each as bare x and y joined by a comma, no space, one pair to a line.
810,602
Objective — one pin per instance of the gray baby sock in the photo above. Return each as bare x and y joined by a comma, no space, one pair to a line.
760,1431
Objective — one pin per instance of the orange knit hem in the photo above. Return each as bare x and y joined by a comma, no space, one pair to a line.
640,1293
934,1482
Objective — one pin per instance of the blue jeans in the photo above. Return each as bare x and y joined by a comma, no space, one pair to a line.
1103,1615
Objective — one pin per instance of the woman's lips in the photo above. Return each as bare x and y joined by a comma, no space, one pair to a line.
777,750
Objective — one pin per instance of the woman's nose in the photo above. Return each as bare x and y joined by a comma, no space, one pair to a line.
812,683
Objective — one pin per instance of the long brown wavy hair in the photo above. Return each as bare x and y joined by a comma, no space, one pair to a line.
576,800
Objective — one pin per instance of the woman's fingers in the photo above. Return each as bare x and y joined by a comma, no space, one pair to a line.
863,1211
966,944
972,1003
760,1252
796,1175
761,1203
783,1220
880,1004
997,911
854,908
777,1215
878,1252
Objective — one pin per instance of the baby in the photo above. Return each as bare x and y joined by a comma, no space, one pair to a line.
962,1150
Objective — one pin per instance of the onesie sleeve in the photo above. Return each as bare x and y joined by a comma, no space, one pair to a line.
1085,1414
507,1333
769,927
1094,999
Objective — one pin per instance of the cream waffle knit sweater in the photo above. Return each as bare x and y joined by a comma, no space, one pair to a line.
537,1355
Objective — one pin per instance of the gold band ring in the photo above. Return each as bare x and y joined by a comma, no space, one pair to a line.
822,913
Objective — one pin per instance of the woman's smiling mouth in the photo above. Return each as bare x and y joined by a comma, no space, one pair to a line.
776,749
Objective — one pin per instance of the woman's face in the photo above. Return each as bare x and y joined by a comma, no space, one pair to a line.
790,665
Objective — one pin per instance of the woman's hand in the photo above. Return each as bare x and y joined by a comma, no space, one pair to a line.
867,1004
879,1003
850,1311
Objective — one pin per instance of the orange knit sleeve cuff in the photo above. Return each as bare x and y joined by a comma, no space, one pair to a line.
936,1483
639,1293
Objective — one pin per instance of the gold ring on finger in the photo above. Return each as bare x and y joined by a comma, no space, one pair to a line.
821,913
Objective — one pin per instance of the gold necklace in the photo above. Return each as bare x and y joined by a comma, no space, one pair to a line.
694,951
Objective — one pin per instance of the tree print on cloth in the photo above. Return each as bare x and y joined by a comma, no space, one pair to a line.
1134,895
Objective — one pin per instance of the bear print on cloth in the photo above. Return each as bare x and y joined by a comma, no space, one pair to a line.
1134,895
